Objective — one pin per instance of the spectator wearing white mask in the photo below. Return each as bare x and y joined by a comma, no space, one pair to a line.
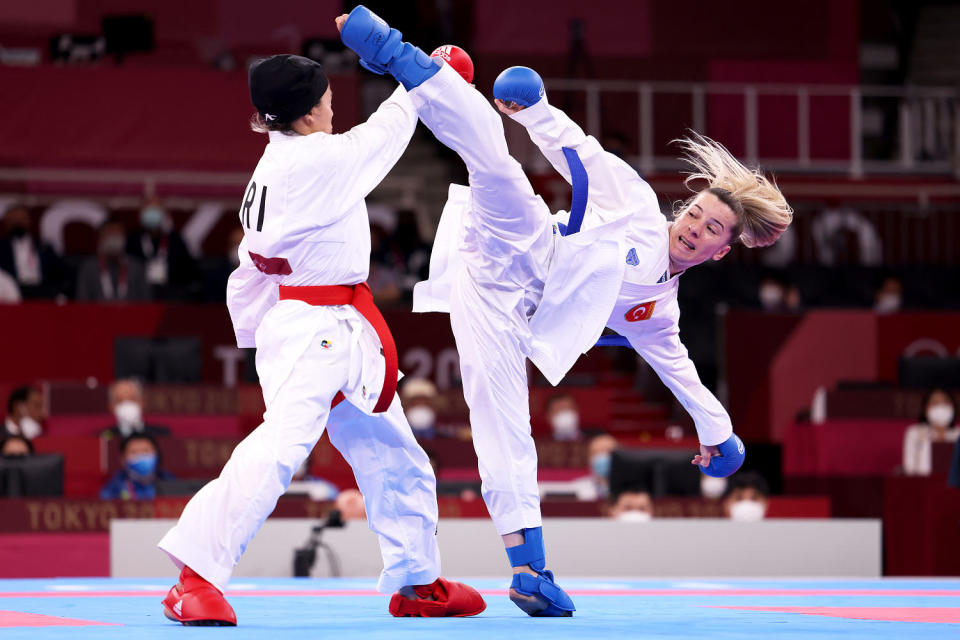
419,398
563,416
937,424
746,497
26,413
633,504
126,405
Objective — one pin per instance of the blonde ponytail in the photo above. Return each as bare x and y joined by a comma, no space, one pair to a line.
759,205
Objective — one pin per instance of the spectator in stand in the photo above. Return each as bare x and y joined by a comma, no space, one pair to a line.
137,479
126,405
772,294
411,253
746,498
563,416
937,424
633,504
111,275
34,265
9,291
792,300
419,398
16,447
385,280
596,486
954,478
889,297
350,504
171,271
314,487
711,487
26,413
220,268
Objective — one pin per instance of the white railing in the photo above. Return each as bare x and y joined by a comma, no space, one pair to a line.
942,126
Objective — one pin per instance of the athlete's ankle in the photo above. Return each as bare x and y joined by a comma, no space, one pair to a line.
410,593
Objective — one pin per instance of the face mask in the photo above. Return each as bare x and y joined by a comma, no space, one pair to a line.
128,414
600,465
888,303
112,245
711,487
152,218
747,511
30,428
939,415
421,417
771,296
142,466
565,424
634,516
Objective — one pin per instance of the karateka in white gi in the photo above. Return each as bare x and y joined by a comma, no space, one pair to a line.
299,296
515,288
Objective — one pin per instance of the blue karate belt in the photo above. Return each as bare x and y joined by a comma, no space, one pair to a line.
578,207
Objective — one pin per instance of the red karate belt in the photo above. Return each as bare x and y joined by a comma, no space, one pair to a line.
361,298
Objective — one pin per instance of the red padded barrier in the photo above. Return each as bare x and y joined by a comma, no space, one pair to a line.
53,555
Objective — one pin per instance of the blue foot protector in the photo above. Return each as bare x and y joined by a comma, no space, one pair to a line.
382,50
732,454
542,585
522,85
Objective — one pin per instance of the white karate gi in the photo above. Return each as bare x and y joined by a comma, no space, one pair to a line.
515,288
314,221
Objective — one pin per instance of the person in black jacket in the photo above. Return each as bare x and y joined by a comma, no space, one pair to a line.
34,265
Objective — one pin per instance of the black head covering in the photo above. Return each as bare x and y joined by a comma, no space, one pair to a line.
285,87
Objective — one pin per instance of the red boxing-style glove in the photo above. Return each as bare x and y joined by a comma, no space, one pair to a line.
456,58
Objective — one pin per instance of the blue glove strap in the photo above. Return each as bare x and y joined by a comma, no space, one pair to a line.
732,455
370,66
531,552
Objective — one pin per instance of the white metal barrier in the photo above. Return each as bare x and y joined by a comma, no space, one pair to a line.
930,113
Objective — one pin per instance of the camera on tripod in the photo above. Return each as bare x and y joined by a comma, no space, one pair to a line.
305,557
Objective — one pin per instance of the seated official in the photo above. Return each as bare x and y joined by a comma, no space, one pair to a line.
126,405
136,480
937,423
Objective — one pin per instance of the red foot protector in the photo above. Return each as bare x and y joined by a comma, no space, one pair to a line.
194,601
450,599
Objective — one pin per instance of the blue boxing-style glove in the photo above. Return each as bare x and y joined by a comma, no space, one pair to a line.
521,85
382,49
732,454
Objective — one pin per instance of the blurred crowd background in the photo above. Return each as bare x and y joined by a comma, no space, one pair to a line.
125,149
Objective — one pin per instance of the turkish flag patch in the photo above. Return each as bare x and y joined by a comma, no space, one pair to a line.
640,312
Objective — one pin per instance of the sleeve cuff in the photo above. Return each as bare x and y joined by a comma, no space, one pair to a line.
535,116
246,339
